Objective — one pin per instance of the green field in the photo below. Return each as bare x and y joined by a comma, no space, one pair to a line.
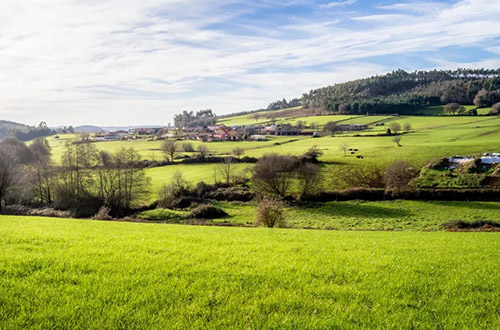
366,215
430,138
67,274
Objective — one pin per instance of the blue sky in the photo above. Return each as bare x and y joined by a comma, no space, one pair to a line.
115,62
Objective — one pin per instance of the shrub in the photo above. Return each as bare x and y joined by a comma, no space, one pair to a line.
169,195
103,214
160,215
474,225
207,211
398,176
187,147
366,176
50,212
270,213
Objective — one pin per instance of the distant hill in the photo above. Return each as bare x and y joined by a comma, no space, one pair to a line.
7,127
89,129
23,132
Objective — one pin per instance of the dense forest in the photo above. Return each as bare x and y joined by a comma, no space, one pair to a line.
407,92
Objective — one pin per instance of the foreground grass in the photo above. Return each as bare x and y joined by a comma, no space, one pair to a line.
378,215
64,274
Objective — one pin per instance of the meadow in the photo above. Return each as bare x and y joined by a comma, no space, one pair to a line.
431,137
82,274
398,215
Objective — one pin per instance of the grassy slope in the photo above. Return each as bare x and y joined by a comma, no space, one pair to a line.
432,137
381,215
60,274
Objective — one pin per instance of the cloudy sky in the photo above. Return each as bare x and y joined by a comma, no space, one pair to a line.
121,62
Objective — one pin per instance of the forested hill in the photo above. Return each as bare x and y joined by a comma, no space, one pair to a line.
407,92
23,132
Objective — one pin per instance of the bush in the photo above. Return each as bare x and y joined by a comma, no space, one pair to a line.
486,225
103,214
207,211
270,213
160,215
187,147
50,212
169,195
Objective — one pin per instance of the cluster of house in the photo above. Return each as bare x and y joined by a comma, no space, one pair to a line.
127,135
488,160
219,132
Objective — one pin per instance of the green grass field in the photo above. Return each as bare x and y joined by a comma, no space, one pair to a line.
430,138
361,215
81,274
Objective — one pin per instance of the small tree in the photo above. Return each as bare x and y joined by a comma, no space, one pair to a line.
344,147
203,151
170,149
397,140
407,127
395,127
453,108
312,154
270,213
238,152
495,109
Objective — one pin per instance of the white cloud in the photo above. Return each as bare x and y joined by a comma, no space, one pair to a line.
333,4
126,62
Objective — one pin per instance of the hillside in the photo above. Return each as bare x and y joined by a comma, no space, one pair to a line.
403,92
7,127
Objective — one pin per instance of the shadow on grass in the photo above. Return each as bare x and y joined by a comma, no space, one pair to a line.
490,206
357,210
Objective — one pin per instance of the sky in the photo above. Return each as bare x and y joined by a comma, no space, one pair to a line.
133,62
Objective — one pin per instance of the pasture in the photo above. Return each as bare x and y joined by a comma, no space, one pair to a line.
395,215
431,137
64,273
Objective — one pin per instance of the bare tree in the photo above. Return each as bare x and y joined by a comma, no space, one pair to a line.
397,140
398,176
225,170
238,152
274,174
170,149
344,147
43,170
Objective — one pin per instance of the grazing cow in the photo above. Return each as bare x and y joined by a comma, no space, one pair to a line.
360,157
350,149
352,152
355,149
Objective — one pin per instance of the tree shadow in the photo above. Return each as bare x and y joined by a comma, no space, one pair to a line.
347,209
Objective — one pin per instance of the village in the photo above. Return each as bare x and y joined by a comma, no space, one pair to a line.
217,132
